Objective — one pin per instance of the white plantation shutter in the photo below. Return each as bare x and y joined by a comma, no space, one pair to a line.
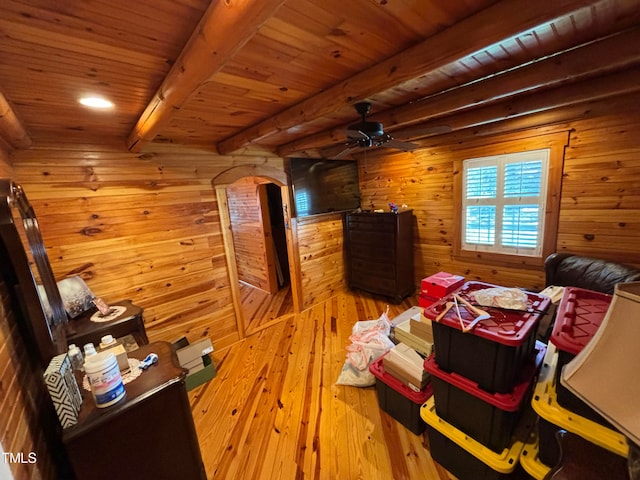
503,202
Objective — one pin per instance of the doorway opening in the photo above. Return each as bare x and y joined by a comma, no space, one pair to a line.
259,248
259,240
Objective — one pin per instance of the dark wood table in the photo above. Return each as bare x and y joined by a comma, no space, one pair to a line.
82,329
149,434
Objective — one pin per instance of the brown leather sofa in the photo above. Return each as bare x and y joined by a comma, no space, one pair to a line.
569,270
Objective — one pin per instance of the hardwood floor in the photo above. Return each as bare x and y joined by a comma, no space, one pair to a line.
274,412
260,309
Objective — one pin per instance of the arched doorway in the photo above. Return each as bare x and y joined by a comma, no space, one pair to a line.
274,180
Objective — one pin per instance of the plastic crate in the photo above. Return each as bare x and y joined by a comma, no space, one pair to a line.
578,317
398,400
493,353
489,418
530,461
468,459
553,417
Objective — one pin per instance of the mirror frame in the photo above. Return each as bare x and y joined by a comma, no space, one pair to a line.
47,331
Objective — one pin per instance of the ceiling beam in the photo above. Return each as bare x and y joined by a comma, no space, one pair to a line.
12,130
614,84
545,121
593,59
472,35
571,97
223,30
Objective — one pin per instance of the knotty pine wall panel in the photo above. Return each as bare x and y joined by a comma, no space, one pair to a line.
139,226
600,202
321,249
250,238
600,212
21,398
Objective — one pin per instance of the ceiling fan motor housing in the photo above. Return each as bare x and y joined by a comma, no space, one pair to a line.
370,129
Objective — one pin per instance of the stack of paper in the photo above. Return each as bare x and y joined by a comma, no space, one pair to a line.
406,365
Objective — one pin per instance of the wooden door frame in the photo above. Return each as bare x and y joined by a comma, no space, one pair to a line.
260,174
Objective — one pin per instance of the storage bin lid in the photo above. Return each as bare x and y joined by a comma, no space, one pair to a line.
508,402
579,315
508,327
419,398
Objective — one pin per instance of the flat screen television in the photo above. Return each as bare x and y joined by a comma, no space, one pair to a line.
324,186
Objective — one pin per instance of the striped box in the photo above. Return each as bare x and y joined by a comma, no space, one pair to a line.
63,389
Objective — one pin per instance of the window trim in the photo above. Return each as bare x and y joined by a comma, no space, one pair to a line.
556,143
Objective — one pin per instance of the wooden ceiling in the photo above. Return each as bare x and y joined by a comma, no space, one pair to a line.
282,75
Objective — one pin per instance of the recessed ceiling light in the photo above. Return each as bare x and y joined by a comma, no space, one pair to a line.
96,102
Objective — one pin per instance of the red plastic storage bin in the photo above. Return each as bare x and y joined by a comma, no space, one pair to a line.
398,400
578,317
493,353
489,418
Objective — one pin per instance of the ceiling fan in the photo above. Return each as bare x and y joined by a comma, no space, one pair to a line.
366,134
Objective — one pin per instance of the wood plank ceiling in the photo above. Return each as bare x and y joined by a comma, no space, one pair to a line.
282,75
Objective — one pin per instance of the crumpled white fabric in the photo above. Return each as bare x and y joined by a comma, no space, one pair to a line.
503,297
369,340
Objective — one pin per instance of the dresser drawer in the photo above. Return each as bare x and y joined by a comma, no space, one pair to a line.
373,283
365,266
379,222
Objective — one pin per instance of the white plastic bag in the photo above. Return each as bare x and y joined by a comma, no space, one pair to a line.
503,297
369,340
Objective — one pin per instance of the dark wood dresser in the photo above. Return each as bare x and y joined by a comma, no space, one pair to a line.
148,435
379,253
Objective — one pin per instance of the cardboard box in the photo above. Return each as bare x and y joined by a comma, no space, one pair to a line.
121,356
404,363
425,300
193,352
203,374
440,284
196,358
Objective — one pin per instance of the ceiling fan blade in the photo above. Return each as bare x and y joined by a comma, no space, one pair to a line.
356,134
344,152
339,151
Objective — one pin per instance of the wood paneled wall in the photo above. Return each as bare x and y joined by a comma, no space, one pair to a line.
21,399
6,169
600,201
321,250
139,226
252,240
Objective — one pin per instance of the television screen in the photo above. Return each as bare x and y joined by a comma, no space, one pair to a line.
323,186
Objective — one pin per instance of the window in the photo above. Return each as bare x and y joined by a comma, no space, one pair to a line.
503,203
507,199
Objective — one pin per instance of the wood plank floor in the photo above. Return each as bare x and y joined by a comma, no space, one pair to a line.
260,309
274,412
